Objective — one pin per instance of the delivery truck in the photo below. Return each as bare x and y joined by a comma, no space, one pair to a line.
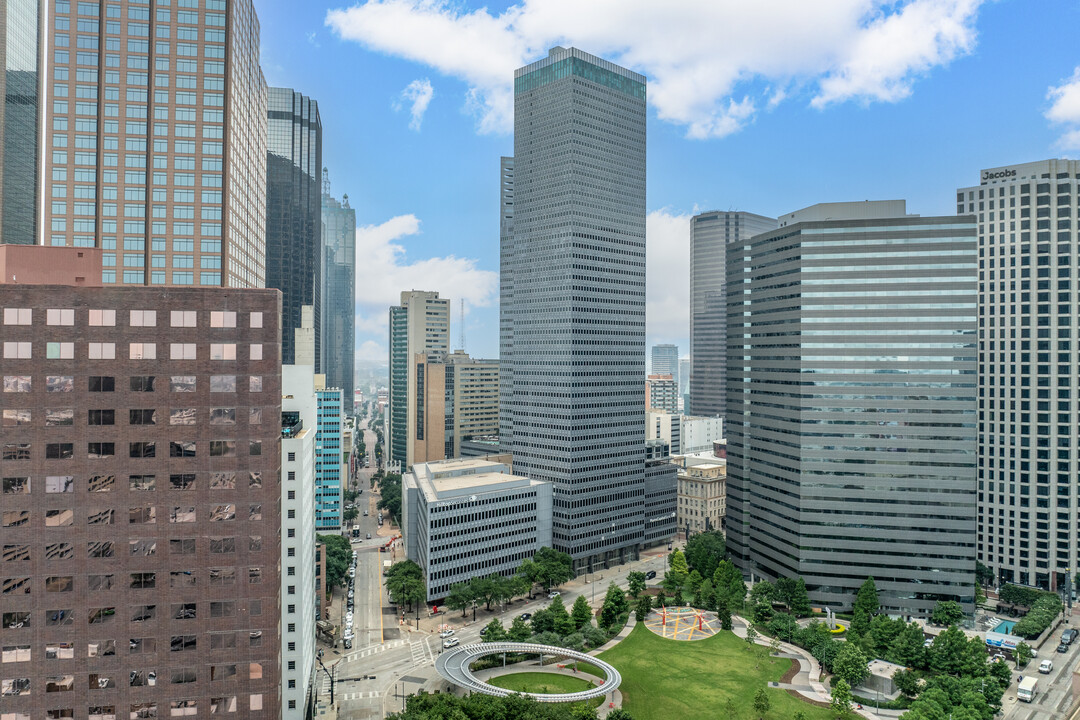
1028,687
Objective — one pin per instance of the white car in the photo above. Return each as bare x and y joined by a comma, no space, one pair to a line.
450,642
553,594
446,633
1046,667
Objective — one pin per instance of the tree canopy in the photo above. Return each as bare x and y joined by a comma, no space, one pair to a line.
338,558
704,551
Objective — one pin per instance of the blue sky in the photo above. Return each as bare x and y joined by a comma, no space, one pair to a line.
766,107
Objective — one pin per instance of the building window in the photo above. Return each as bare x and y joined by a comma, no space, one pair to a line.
222,351
16,350
256,320
223,319
256,351
17,316
182,318
182,351
143,318
102,318
142,351
101,383
55,316
101,351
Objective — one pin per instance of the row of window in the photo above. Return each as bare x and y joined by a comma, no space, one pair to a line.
142,515
143,449
136,318
20,485
138,547
16,350
137,383
58,417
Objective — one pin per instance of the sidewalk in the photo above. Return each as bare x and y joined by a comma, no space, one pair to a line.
807,681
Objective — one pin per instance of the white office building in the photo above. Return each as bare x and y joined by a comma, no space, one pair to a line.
299,606
470,518
685,433
1029,438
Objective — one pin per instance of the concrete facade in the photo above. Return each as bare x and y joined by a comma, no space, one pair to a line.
470,518
661,393
862,328
702,493
572,305
660,494
1028,433
141,504
710,235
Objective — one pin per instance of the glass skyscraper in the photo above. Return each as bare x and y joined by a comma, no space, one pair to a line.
338,292
19,121
573,299
156,129
665,361
294,212
329,470
852,338
710,235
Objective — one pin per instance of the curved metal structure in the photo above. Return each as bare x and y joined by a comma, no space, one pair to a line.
453,665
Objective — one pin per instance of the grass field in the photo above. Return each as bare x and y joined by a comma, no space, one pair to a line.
544,684
663,679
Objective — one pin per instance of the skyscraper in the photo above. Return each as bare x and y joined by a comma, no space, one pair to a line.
506,301
294,211
665,361
20,27
156,120
1028,430
573,298
418,326
338,292
851,404
710,235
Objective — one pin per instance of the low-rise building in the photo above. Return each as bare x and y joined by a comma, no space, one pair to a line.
472,517
684,433
702,492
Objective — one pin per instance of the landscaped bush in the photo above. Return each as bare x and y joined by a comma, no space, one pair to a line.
1017,595
1042,613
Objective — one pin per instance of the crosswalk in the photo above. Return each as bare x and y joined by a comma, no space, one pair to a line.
359,695
373,649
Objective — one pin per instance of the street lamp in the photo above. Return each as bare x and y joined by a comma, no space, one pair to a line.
474,611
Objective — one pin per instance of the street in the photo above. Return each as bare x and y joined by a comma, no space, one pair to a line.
1054,696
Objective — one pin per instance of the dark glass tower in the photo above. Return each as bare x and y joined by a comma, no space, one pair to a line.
573,302
338,292
294,212
19,121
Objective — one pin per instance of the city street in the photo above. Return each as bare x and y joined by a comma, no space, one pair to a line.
1055,690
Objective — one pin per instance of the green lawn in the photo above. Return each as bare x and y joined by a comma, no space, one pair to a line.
663,679
544,684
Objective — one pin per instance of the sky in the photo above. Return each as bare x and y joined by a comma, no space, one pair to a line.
765,106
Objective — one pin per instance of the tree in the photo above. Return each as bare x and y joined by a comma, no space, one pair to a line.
390,495
907,682
751,635
614,608
841,699
724,614
800,600
850,664
985,576
1022,654
704,552
636,580
338,558
948,651
947,612
555,567
761,702
405,582
493,631
679,568
907,649
350,514
774,646
706,595
866,606
619,714
542,621
483,590
644,606
693,583
460,597
560,618
531,572
730,588
519,630
762,592
581,613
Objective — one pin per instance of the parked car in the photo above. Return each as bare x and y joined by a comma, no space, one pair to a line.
1046,667
446,633
369,536
928,642
348,643
1069,636
650,575
450,642
525,616
554,594
1063,648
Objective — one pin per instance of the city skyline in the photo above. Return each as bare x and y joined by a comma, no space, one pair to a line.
441,223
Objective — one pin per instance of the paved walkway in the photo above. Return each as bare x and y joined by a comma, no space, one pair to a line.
612,701
807,682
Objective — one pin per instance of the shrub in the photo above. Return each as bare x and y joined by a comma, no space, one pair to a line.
1042,613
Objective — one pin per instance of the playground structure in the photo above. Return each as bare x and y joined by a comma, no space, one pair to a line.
682,623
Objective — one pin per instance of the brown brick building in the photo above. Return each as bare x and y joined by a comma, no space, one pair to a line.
140,505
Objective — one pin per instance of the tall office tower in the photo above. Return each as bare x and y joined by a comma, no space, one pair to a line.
710,235
660,394
851,404
20,26
665,361
573,302
329,469
294,211
418,326
506,300
141,500
1028,239
300,606
156,120
457,400
661,493
338,292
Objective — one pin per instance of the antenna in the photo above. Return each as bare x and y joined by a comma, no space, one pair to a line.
461,324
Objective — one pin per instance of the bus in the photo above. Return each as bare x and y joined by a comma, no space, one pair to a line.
356,531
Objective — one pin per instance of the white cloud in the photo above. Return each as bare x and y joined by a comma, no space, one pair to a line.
667,278
1065,110
313,39
418,94
710,65
386,270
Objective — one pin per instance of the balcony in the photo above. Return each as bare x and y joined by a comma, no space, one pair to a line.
291,424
